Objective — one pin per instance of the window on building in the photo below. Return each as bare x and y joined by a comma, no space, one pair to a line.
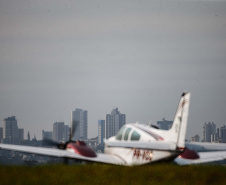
119,134
135,136
127,133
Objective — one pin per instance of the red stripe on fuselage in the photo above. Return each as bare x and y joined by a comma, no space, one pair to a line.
157,137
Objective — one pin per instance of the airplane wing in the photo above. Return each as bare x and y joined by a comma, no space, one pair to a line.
100,158
204,157
53,152
198,153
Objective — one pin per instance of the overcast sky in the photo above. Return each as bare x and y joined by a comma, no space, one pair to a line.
139,56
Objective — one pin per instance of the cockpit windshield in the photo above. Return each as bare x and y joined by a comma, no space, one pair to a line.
135,136
119,134
127,134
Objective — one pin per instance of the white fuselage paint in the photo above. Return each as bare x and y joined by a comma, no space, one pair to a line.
138,156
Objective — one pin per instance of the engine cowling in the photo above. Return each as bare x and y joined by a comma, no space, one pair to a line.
189,154
81,148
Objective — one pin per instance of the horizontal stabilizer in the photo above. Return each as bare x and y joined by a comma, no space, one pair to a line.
205,147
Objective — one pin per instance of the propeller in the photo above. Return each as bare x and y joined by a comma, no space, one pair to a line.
49,142
79,146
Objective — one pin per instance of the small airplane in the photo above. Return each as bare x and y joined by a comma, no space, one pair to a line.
138,144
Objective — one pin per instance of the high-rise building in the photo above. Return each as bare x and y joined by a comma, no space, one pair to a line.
164,124
219,136
101,131
10,131
66,134
1,134
47,135
21,134
222,134
214,138
58,131
208,129
79,120
114,122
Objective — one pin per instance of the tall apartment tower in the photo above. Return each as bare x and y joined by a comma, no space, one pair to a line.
1,134
10,131
58,131
21,134
101,131
66,134
222,134
208,129
79,119
114,122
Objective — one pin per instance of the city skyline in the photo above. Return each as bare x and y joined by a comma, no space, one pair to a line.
163,124
136,55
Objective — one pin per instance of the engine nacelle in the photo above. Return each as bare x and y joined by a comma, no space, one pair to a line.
80,147
189,154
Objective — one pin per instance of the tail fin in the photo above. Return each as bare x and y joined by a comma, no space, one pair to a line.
178,130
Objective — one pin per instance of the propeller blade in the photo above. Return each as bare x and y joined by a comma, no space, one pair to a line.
74,126
49,142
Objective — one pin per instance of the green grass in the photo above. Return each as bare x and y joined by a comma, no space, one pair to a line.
108,174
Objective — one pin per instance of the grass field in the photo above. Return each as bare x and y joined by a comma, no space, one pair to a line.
107,174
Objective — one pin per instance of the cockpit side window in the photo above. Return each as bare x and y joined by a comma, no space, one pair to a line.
135,136
127,133
119,134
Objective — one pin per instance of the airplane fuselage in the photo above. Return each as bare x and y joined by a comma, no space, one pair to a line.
138,155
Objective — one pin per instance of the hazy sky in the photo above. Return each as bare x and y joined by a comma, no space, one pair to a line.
139,56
